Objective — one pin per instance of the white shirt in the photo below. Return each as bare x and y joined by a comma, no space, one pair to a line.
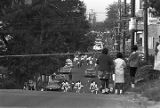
120,64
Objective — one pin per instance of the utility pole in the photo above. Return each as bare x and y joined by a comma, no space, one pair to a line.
124,33
145,8
132,16
119,25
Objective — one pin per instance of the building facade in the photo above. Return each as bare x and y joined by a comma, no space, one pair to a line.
153,28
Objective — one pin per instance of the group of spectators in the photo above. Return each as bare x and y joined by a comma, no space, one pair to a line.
80,60
77,86
107,67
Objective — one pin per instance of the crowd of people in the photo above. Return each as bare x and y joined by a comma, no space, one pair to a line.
80,60
78,86
108,69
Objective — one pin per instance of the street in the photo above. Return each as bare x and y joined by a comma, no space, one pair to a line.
51,99
39,99
79,74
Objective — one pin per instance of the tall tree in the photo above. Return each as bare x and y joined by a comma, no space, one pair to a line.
46,26
112,14
155,5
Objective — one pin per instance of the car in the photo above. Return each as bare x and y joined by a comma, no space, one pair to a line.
65,70
90,72
54,85
98,46
60,77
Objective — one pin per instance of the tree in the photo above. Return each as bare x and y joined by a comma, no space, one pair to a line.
99,26
155,5
113,15
46,26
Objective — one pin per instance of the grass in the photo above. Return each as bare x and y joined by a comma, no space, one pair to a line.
149,89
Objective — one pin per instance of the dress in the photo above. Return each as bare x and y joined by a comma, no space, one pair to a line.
157,59
119,70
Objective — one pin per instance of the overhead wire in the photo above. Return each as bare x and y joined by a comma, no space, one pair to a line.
49,55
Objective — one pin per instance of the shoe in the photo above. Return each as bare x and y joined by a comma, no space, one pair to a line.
103,91
120,92
132,85
116,91
106,90
111,89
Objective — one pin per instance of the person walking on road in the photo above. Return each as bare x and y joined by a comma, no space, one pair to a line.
120,65
105,68
133,60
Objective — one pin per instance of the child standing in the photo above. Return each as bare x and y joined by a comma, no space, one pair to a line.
120,65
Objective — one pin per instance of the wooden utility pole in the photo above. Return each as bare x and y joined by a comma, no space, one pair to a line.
132,16
119,25
124,32
145,8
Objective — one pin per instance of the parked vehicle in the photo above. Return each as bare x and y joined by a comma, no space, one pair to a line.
55,85
98,46
65,70
90,72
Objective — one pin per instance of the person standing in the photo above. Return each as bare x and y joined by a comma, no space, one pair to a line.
120,66
105,68
133,60
157,57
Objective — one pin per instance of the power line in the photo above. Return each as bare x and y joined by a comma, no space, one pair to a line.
49,55
45,55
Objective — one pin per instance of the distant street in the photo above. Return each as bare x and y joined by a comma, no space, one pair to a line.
38,99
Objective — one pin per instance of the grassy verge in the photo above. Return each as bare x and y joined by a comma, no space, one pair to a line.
149,89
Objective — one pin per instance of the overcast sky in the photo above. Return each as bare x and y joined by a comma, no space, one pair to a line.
99,7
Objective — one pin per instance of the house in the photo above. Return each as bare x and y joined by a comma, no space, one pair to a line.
153,28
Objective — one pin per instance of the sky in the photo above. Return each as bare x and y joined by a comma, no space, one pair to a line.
99,7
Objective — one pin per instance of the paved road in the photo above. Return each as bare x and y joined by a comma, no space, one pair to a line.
43,99
79,74
39,99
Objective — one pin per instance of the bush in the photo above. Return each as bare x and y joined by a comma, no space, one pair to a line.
127,79
8,84
152,94
151,59
146,73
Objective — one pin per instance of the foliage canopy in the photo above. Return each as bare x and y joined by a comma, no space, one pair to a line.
45,26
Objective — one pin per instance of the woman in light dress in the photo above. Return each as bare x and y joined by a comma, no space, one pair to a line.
120,65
